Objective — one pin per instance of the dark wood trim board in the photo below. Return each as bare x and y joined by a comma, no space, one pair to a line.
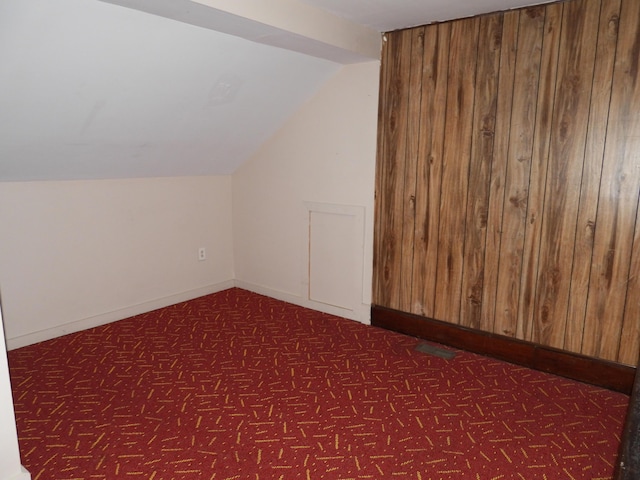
610,375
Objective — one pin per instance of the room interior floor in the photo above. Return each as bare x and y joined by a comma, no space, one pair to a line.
237,385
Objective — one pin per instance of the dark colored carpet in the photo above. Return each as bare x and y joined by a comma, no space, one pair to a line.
240,386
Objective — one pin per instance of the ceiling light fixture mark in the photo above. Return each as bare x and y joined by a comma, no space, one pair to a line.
225,89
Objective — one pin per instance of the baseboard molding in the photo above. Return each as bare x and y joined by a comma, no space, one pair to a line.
610,375
115,315
23,474
361,314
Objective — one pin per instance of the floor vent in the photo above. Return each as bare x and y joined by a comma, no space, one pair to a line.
438,352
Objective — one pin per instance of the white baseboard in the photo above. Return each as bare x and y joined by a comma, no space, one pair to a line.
23,474
102,319
362,314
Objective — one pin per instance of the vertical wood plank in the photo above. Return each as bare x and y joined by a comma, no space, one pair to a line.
391,156
618,200
630,338
433,107
411,162
539,161
564,175
508,175
592,172
455,172
520,151
378,212
483,134
511,22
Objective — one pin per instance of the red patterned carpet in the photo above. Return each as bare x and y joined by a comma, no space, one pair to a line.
240,386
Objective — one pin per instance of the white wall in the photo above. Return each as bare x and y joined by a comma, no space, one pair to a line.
10,468
75,254
324,154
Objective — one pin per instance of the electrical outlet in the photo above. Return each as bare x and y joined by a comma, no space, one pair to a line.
202,254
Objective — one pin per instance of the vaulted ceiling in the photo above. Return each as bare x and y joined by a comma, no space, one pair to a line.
141,88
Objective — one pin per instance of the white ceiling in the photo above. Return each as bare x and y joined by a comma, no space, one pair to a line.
94,90
388,15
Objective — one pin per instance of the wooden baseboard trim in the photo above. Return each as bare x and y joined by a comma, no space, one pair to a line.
603,373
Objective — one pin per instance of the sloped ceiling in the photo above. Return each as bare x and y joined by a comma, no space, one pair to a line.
144,88
94,90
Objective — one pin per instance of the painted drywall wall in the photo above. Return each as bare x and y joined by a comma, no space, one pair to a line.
324,154
77,254
10,467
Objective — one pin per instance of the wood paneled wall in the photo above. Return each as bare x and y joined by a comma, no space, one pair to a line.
509,175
